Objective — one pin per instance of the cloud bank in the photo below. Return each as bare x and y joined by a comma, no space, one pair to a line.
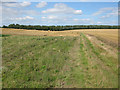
41,4
61,8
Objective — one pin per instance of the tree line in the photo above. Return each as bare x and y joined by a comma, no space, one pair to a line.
60,28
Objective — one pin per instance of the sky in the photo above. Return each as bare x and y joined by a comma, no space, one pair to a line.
61,0
84,12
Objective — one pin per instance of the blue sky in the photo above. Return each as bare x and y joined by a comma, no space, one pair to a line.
60,13
61,0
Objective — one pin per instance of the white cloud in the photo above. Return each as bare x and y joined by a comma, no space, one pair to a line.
99,22
24,4
8,12
14,12
107,12
83,21
11,15
104,10
78,12
43,17
107,22
51,17
11,4
62,8
16,4
29,12
112,12
22,18
76,19
56,19
106,16
9,0
41,4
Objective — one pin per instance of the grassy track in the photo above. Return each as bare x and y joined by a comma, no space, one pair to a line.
35,61
92,69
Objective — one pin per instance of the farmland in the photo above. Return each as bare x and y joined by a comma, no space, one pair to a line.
61,59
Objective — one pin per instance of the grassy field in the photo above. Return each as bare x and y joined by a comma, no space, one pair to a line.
65,59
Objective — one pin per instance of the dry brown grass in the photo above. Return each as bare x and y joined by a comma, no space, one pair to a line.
39,32
107,34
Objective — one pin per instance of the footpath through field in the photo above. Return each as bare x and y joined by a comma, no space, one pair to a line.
90,66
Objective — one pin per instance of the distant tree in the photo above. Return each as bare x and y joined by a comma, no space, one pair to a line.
4,26
60,28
